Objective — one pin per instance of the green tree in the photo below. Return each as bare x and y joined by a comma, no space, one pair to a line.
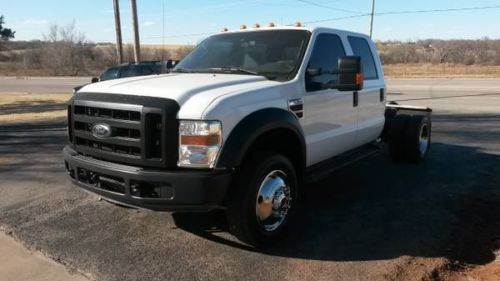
5,33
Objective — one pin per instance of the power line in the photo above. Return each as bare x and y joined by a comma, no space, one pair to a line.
350,17
407,12
439,10
327,7
336,19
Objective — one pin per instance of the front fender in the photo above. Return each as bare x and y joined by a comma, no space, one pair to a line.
251,127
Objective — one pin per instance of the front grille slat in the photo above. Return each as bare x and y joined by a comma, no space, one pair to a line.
111,140
111,122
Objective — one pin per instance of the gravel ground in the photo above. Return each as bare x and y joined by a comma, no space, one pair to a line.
373,220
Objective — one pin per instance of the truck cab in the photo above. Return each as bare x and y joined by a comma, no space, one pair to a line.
239,124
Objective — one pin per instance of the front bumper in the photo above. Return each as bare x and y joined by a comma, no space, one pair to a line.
159,190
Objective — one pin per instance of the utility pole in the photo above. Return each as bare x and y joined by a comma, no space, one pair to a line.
118,28
371,21
135,24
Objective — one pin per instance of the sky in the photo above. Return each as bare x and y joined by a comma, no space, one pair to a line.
189,21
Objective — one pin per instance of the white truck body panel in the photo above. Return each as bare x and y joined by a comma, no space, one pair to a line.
331,124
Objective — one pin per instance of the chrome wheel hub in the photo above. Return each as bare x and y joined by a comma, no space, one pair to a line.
273,200
423,142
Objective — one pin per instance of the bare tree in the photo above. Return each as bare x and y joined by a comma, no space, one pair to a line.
67,51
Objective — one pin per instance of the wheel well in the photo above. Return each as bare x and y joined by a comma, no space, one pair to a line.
283,141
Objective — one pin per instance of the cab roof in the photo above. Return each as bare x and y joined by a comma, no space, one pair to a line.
312,29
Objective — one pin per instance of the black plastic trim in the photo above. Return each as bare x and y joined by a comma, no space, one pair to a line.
167,108
192,190
253,126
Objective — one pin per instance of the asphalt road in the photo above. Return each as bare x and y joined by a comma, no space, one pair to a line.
373,220
44,85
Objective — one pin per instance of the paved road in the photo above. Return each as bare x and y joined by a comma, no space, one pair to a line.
40,84
373,220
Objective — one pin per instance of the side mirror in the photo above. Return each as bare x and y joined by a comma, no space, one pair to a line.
94,80
350,74
170,64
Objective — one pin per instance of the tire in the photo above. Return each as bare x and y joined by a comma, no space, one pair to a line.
251,218
417,138
397,134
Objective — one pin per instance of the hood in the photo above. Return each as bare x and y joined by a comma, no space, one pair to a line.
180,86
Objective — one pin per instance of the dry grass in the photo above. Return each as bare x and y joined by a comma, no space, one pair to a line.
34,107
171,47
32,98
32,117
441,70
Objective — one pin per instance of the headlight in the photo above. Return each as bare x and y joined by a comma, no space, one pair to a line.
199,143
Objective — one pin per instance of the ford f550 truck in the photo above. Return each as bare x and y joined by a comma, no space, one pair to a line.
240,124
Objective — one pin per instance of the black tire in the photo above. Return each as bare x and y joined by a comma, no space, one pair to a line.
397,134
242,202
417,138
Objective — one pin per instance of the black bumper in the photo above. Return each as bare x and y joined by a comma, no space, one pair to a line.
160,190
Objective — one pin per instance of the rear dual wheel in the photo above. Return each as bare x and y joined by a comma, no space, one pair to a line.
409,138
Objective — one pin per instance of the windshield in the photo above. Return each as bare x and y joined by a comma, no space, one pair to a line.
275,54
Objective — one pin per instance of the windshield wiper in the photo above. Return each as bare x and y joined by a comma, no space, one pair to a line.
240,70
235,69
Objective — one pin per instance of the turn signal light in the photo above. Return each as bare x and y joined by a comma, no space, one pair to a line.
359,79
201,140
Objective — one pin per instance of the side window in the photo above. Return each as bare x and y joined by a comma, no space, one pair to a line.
130,71
325,55
146,70
361,48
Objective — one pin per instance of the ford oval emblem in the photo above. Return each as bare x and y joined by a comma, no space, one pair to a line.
101,130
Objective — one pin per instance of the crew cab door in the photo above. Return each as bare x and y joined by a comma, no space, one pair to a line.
329,115
371,100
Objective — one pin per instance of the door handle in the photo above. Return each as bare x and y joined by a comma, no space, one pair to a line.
355,98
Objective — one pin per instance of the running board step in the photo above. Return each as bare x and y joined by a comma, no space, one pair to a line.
322,170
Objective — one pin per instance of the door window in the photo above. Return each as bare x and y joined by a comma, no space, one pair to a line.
327,50
361,48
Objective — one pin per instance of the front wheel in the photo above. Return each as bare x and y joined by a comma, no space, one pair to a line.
264,200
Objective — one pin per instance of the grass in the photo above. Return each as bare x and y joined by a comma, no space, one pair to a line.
20,101
440,71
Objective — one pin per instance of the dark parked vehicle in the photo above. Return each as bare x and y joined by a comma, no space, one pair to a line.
132,69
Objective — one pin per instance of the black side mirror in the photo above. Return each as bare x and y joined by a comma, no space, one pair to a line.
350,74
170,64
94,80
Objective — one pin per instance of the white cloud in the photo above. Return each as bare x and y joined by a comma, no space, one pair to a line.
148,23
36,22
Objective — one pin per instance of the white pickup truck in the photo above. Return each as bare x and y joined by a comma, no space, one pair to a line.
240,124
